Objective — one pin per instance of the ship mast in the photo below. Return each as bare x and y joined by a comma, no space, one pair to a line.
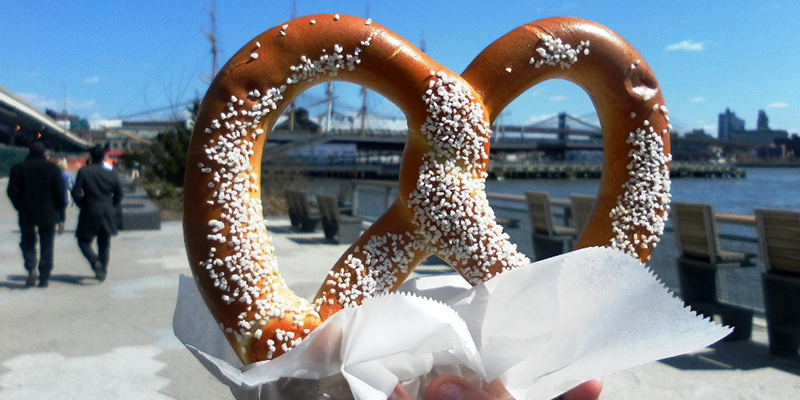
212,37
292,107
364,100
330,106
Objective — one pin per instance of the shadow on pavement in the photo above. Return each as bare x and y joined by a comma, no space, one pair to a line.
18,281
82,280
735,355
310,241
281,229
14,282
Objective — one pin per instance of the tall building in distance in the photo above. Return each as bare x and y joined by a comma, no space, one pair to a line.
731,128
763,121
729,123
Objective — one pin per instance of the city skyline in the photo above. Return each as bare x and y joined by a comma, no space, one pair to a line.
104,61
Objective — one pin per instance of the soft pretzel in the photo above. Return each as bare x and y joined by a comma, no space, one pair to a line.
442,207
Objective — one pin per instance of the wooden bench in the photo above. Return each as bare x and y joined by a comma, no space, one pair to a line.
138,212
294,211
779,242
701,259
344,199
302,216
581,206
549,239
337,227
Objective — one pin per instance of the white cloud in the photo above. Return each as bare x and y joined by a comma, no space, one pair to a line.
558,98
96,116
41,101
698,99
73,104
687,45
78,104
778,104
92,80
534,93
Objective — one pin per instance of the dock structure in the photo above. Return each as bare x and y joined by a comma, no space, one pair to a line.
555,170
531,152
542,170
387,166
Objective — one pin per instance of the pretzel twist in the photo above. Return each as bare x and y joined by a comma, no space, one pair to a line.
442,207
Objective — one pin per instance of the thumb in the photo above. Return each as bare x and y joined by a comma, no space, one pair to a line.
451,387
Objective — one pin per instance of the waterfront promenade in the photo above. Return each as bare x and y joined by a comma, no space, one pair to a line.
79,339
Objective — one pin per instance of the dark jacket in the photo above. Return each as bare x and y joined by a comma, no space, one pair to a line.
97,192
37,191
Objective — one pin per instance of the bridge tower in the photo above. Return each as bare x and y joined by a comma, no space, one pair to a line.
562,126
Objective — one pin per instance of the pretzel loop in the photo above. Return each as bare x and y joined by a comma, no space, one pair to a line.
633,197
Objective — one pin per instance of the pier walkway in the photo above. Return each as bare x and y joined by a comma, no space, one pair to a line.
80,339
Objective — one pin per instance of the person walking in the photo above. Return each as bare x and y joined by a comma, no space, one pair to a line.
66,176
36,190
97,192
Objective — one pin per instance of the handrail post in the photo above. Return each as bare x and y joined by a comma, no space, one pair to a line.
354,197
388,200
568,215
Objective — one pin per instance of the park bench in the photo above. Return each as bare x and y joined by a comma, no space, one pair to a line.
138,212
302,216
581,206
344,199
779,241
338,228
548,238
700,261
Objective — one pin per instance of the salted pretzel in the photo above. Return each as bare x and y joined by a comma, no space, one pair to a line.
442,207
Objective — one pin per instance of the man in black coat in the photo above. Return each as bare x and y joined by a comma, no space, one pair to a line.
36,190
97,191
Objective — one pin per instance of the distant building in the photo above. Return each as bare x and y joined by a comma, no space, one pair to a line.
761,138
790,147
728,123
72,123
698,133
763,121
731,128
118,135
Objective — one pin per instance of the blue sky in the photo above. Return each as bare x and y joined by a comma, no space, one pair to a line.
107,59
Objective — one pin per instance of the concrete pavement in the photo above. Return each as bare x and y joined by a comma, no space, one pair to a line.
83,339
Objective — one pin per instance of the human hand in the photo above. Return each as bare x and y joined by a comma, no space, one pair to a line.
451,387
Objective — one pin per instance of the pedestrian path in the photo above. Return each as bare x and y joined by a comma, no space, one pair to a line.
81,339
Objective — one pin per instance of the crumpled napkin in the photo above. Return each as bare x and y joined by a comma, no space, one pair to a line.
541,330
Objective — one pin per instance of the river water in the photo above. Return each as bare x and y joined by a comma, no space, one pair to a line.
762,187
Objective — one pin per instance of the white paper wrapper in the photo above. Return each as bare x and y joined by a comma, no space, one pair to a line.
541,330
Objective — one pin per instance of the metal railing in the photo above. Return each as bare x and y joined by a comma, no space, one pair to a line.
737,232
